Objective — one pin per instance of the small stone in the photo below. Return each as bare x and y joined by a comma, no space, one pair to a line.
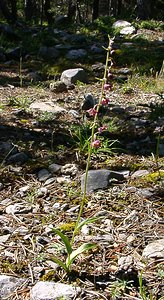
54,168
43,191
139,173
74,113
130,239
154,250
146,192
48,53
24,188
46,290
18,158
4,238
56,206
7,148
121,23
22,230
69,169
9,284
50,181
18,209
63,180
43,175
85,230
125,263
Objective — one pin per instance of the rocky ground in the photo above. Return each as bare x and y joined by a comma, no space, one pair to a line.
43,156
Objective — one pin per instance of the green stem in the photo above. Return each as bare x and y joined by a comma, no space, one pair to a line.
90,148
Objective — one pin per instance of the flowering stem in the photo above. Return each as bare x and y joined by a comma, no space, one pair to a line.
90,147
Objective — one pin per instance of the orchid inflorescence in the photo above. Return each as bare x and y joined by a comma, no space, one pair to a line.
104,98
95,143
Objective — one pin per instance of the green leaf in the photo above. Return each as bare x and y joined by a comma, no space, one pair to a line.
60,263
84,247
88,221
65,240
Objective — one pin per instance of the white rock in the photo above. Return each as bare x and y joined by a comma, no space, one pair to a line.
63,179
121,23
154,249
42,191
24,188
45,290
69,169
47,107
9,284
128,30
73,75
85,230
4,238
18,209
139,173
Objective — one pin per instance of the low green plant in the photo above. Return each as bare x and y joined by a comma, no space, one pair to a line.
71,254
118,288
80,137
144,294
151,24
45,117
22,102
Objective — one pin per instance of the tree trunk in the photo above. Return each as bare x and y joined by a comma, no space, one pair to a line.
71,10
95,12
103,7
29,10
144,9
48,14
14,9
6,12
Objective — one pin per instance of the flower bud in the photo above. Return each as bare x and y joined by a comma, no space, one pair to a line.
107,86
92,112
96,144
105,101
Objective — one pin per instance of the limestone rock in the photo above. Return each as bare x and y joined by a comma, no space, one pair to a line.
154,249
73,75
45,290
99,179
128,30
47,107
121,23
18,208
9,284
